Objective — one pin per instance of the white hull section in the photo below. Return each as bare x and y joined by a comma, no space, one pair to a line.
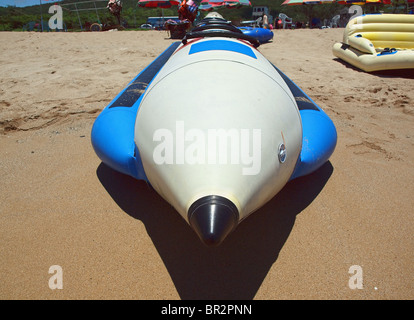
221,135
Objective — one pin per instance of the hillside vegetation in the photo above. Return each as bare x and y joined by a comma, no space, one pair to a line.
14,18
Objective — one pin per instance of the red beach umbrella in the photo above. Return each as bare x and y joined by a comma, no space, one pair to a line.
158,3
208,5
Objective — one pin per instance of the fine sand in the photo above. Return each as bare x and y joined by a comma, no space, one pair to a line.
115,238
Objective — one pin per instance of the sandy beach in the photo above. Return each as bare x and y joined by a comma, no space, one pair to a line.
115,238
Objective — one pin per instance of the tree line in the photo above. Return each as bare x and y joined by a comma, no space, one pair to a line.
15,19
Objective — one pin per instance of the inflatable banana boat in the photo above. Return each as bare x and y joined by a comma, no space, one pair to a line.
214,128
378,42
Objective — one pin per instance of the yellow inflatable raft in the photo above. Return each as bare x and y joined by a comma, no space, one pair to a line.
378,42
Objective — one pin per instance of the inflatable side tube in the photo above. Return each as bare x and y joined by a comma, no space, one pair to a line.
362,44
383,18
386,60
261,34
319,132
112,133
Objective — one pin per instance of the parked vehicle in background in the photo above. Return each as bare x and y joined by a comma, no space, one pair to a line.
159,22
146,26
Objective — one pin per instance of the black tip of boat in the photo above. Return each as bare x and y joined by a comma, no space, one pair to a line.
213,218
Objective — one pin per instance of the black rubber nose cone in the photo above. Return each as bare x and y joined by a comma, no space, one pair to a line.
213,218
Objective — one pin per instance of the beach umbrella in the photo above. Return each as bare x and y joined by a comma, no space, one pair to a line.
352,2
236,3
158,3
208,5
300,2
378,1
163,4
362,2
306,2
308,5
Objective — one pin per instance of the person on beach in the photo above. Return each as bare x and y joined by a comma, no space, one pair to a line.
265,21
188,10
115,8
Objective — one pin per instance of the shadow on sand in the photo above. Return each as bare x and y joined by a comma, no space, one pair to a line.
237,268
397,73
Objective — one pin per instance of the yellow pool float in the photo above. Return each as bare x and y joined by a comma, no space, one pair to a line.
378,42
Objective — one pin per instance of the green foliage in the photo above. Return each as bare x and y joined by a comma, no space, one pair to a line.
13,18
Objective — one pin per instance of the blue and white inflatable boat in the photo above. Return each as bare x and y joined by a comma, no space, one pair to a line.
262,34
215,128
